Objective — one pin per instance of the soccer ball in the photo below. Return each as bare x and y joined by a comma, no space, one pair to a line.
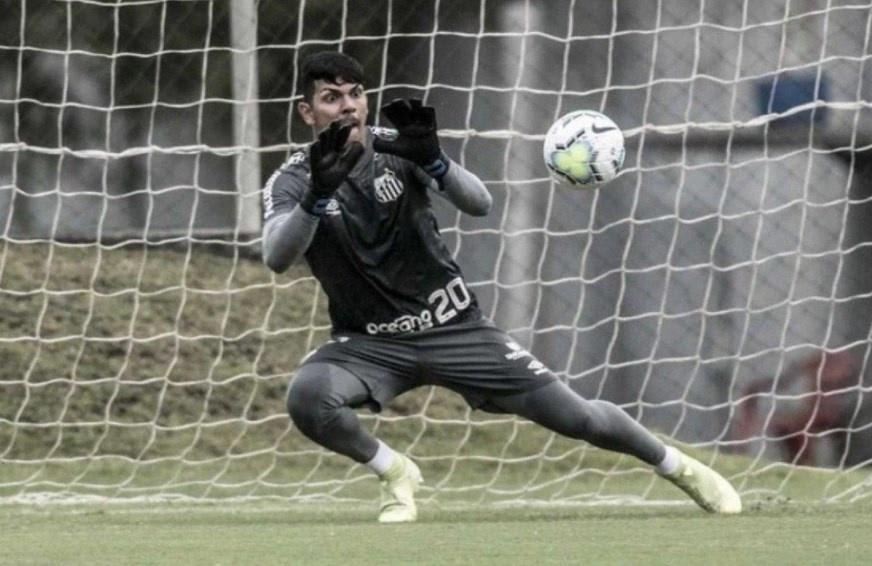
584,149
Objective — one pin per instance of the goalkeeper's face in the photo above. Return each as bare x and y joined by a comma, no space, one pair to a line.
337,101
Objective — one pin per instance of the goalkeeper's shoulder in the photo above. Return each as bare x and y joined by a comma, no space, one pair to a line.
286,186
297,163
292,176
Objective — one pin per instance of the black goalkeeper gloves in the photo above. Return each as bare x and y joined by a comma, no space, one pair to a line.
416,136
330,160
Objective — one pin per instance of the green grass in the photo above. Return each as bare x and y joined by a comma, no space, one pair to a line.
330,534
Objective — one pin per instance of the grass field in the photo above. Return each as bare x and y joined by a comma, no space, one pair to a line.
330,534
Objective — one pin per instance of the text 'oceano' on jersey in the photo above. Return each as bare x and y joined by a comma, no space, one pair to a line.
405,323
448,302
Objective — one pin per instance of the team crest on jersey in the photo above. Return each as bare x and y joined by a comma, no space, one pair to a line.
388,187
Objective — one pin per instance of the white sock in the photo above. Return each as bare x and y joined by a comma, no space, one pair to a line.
382,460
670,462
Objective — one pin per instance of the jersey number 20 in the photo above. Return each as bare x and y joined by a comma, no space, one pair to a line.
450,300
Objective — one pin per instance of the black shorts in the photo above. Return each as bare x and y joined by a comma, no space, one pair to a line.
474,359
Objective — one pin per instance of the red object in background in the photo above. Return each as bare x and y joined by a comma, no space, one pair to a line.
809,398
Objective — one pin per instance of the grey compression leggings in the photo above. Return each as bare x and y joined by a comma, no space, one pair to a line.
323,397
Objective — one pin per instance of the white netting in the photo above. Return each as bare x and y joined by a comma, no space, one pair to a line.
719,290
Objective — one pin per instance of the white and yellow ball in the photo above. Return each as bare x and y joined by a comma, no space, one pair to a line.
584,149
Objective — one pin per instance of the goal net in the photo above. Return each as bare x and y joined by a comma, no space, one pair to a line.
719,290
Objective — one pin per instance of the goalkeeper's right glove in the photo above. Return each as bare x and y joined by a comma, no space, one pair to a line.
330,161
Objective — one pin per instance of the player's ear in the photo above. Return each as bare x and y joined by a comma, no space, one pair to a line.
306,113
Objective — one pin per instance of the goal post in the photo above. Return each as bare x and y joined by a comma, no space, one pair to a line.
246,118
719,290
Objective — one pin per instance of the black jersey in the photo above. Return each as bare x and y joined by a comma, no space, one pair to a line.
377,251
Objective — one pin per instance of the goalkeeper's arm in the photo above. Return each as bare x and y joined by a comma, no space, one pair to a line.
287,237
461,188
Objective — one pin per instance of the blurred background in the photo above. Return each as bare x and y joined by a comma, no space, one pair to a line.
720,289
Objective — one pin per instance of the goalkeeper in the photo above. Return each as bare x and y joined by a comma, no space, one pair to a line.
357,207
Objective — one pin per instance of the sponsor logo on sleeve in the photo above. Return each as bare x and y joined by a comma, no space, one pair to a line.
268,200
296,158
268,206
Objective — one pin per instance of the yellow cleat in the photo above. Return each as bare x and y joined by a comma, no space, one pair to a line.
705,486
398,487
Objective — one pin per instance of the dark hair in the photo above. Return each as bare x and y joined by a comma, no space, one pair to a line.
328,66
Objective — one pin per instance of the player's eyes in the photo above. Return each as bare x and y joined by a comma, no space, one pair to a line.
331,97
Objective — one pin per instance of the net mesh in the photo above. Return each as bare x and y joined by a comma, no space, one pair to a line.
718,290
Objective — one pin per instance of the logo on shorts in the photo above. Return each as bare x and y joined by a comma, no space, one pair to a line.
516,352
388,187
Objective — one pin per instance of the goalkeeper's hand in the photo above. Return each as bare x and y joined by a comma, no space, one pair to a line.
416,136
330,160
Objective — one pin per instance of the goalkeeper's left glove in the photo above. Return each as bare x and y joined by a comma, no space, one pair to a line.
416,136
